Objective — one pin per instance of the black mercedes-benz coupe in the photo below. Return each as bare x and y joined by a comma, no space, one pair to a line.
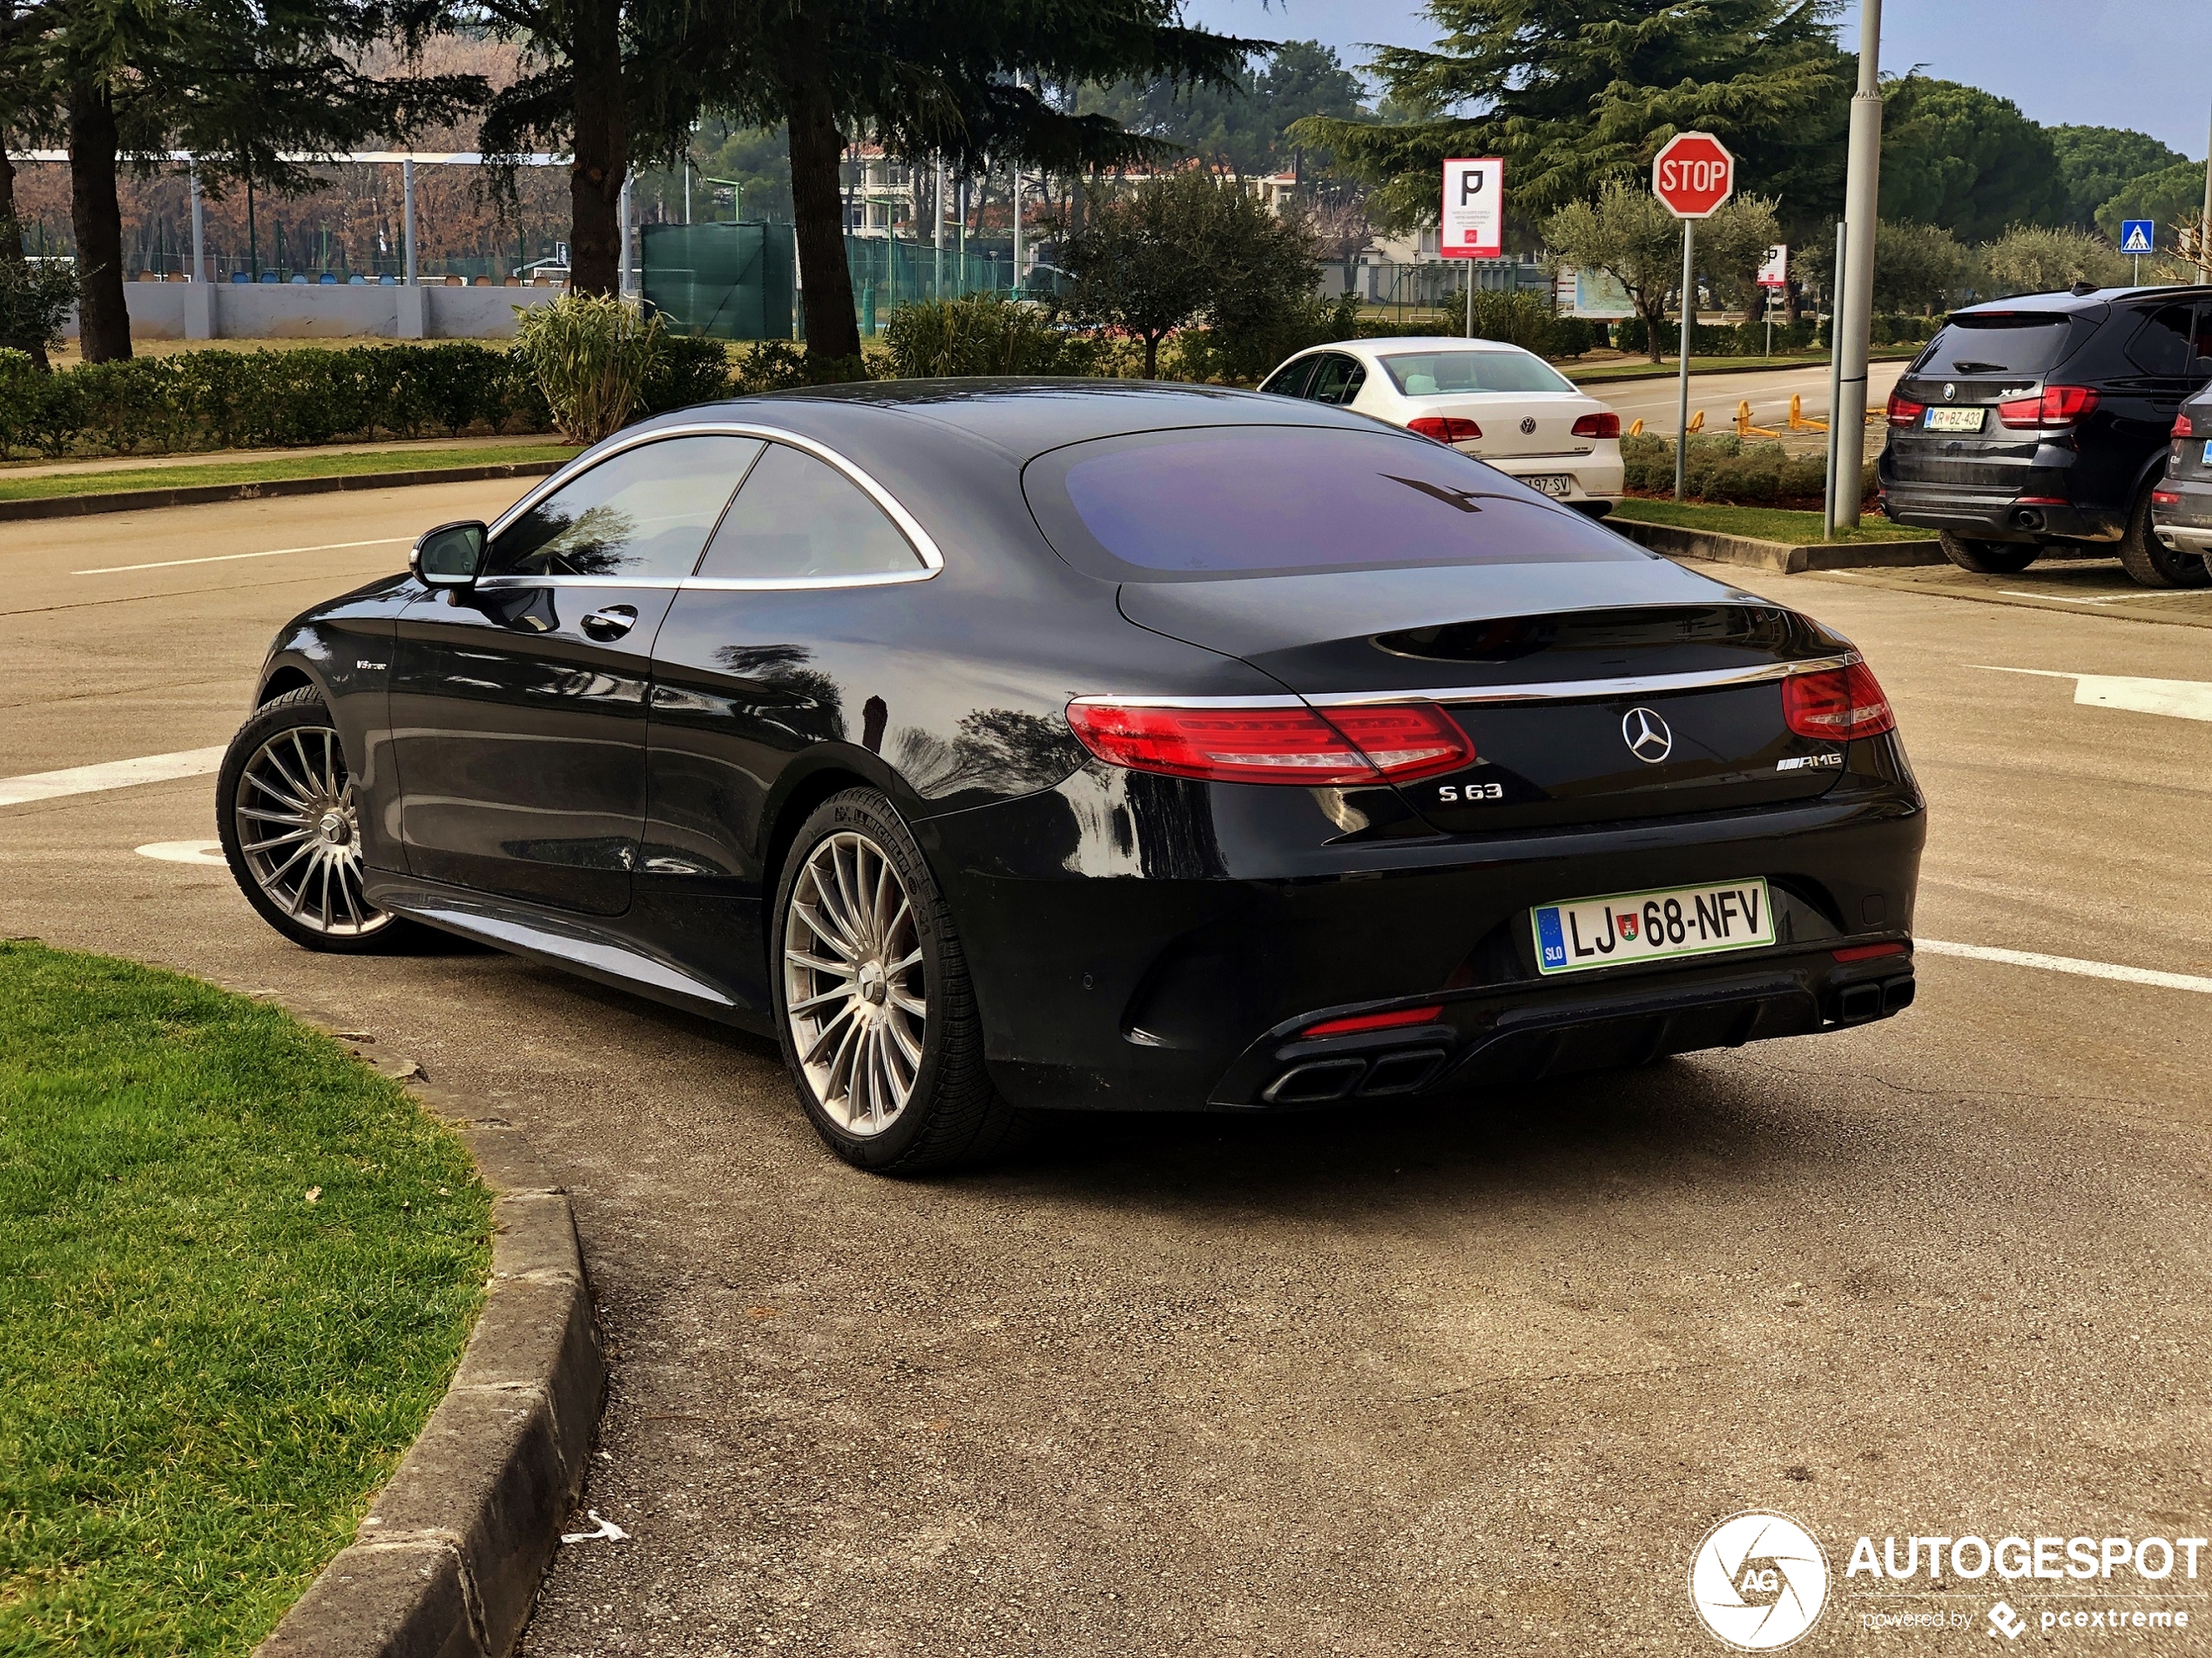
1003,746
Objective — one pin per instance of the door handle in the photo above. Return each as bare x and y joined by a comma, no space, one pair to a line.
611,623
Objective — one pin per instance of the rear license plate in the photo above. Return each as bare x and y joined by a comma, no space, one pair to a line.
1954,420
1651,927
1557,485
2207,453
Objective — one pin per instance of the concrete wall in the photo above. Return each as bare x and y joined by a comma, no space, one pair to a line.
297,311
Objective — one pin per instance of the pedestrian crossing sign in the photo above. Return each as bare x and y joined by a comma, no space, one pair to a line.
2136,236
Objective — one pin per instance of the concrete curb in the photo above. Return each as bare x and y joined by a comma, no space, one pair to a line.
448,1563
196,495
1781,556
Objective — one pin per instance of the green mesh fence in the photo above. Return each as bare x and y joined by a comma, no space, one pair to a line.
730,281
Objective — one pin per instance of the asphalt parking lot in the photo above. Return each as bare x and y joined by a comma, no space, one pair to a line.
1472,1380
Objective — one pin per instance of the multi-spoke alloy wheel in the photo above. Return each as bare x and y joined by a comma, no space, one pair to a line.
853,989
300,832
290,816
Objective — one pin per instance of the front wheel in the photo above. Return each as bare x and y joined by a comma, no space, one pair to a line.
290,822
874,1006
1988,557
2149,561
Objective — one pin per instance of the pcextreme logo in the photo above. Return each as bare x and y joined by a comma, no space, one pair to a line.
1758,1580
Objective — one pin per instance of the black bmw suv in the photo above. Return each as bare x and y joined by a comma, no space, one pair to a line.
2044,420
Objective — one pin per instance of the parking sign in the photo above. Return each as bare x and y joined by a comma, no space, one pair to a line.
2136,236
1474,221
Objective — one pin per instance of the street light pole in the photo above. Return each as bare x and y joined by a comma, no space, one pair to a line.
1854,289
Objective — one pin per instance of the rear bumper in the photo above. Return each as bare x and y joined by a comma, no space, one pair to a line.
1987,516
2184,525
1597,477
1160,948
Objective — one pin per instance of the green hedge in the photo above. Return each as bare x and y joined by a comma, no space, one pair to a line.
1726,468
219,399
1749,338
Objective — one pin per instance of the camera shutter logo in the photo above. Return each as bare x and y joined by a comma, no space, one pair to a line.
1758,1581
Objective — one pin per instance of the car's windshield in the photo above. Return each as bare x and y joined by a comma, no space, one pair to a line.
2017,342
1440,374
1274,500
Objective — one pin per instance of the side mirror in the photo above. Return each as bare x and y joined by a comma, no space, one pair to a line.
449,555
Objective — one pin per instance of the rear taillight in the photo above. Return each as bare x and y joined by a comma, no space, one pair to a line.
1904,411
2057,405
2182,427
1837,705
1606,424
1352,1024
2165,498
1446,429
1286,743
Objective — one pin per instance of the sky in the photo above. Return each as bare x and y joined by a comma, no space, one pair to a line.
2138,63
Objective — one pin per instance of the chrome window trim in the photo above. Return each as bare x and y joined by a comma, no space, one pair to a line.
1550,690
923,545
1592,690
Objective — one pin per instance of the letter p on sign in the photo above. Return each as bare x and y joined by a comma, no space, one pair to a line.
1472,224
1693,174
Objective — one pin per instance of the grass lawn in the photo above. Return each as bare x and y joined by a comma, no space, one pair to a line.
1763,523
307,464
238,1271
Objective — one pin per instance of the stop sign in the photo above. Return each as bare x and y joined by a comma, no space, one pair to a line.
1693,174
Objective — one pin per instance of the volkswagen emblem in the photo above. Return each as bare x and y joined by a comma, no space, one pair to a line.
1528,425
1950,391
1647,735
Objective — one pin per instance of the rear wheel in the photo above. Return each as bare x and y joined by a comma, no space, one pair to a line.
1988,557
290,822
2147,559
875,1009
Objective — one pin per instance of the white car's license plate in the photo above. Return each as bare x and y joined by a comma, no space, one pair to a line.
1954,420
1557,485
1651,927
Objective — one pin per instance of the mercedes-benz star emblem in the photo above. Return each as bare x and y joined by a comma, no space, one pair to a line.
1528,425
1647,735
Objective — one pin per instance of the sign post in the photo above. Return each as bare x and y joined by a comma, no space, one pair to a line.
2138,236
1473,223
1774,276
1692,175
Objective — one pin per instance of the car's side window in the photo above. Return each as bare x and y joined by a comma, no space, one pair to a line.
1338,380
2200,369
643,513
797,517
1290,382
2163,345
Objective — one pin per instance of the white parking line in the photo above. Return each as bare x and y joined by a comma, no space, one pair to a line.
113,774
2068,964
224,558
184,851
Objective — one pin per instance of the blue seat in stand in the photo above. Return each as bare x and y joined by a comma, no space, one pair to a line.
327,279
356,281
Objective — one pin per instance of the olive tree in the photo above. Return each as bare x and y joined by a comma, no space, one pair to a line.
1628,234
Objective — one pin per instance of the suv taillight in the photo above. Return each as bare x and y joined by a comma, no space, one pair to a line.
2057,405
2182,427
1837,705
1279,743
1446,429
1904,411
1605,425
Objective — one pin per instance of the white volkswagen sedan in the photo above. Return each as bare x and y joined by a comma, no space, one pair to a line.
1494,401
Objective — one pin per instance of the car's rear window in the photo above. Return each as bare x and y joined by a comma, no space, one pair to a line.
1219,502
1440,374
2019,342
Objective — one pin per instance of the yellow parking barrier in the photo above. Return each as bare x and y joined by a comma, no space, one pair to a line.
1697,421
1744,427
1797,420
1636,429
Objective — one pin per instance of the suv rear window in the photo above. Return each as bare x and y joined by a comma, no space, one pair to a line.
1235,501
2003,342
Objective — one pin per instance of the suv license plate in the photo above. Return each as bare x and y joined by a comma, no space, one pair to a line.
1557,485
1651,927
1954,420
